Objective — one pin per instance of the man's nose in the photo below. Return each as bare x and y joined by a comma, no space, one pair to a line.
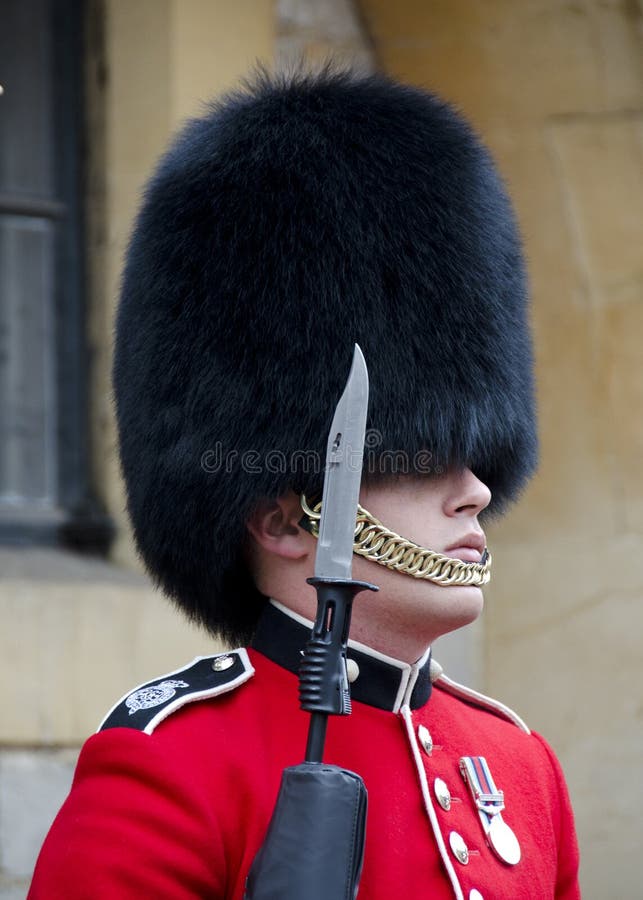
467,493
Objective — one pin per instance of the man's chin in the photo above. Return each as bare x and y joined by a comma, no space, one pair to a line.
464,606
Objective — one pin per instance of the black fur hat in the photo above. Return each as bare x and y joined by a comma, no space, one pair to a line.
290,221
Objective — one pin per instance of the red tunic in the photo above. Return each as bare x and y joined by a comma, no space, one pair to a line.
180,813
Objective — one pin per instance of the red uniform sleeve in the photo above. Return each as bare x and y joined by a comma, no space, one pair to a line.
567,886
135,825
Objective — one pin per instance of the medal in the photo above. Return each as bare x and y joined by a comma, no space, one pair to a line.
503,841
490,802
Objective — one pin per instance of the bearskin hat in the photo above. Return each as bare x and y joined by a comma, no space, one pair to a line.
295,218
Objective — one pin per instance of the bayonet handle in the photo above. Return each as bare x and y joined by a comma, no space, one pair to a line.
323,680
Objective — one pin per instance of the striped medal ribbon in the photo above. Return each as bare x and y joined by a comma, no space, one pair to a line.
490,802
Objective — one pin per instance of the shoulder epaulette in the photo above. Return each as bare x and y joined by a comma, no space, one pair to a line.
462,692
205,677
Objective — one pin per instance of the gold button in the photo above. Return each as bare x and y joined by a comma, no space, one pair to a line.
459,848
474,894
425,739
442,794
221,663
352,670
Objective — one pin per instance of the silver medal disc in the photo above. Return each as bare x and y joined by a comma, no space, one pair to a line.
503,841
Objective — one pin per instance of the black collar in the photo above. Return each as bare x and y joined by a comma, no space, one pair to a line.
381,681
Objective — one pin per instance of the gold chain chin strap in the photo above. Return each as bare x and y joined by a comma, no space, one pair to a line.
375,542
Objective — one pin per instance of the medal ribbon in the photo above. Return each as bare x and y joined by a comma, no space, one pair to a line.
488,799
490,803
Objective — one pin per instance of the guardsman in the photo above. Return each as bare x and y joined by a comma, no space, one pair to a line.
297,217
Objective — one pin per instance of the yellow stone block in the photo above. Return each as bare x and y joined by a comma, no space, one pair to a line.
600,162
78,635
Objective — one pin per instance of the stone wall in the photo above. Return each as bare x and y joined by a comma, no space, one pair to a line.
556,90
316,30
79,633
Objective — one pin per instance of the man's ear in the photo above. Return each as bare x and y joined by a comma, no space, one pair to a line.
274,525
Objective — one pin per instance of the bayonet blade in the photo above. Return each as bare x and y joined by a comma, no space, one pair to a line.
343,475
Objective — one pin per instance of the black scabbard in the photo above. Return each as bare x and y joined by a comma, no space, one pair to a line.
314,846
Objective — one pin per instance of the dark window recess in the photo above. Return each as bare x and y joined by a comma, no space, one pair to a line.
45,491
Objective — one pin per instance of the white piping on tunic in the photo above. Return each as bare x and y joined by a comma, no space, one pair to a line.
428,803
466,693
293,615
404,696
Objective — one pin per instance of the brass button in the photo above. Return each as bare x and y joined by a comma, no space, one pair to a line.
475,894
221,663
352,670
425,739
442,794
459,848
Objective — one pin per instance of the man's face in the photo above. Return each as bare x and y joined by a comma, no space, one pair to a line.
441,514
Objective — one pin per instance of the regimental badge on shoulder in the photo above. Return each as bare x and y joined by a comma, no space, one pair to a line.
205,677
147,697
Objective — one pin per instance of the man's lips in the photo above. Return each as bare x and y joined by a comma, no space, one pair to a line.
466,554
468,548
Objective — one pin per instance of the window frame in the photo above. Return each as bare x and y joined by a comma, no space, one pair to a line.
75,519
